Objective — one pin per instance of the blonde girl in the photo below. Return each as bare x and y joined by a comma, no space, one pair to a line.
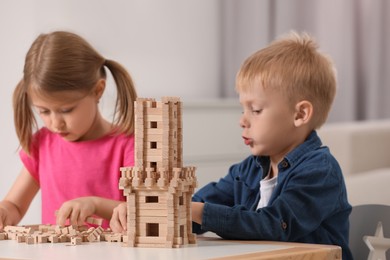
74,159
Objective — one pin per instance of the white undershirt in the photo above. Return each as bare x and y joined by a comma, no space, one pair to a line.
267,186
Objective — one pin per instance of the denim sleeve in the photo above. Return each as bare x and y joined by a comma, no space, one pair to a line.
220,193
303,200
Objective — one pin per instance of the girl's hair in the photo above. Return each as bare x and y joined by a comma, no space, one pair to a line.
293,66
64,61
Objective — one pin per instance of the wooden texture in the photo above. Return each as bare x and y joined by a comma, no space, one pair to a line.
158,188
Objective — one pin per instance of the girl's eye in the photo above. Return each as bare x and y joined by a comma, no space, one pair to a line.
256,111
44,112
66,110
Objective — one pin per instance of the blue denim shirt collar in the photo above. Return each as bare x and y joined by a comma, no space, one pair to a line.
312,142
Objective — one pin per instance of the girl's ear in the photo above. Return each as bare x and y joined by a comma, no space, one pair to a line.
303,113
99,89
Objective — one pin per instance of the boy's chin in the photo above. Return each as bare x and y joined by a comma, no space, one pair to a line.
256,152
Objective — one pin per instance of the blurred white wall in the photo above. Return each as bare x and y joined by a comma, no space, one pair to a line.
193,49
170,47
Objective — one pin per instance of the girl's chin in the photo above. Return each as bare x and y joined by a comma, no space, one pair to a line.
71,138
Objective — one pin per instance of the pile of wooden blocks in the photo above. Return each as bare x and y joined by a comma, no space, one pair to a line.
35,234
158,188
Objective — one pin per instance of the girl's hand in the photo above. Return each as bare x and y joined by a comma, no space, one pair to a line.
9,214
118,221
77,211
3,218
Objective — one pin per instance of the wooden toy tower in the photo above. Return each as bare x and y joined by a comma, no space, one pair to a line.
158,188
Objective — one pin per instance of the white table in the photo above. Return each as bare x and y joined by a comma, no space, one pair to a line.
206,248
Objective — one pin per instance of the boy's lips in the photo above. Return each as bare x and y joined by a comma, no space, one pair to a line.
247,141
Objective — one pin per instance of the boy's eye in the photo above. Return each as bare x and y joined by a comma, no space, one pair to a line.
256,111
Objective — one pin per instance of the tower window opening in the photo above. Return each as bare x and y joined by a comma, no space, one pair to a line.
152,229
153,124
151,199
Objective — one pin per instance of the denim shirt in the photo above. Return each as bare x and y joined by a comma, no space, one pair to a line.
309,203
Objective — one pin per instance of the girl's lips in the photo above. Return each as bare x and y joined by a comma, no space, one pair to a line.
63,134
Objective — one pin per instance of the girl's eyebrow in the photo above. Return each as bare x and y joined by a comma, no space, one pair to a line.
40,107
59,106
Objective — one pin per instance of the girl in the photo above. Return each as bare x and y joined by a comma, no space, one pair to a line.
75,158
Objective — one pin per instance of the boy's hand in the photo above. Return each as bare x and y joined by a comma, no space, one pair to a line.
118,220
197,212
77,211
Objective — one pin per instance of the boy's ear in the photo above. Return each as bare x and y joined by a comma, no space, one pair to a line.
303,113
99,89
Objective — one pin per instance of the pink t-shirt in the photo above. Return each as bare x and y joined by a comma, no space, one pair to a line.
67,170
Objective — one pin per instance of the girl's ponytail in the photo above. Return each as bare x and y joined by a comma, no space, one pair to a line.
24,119
126,95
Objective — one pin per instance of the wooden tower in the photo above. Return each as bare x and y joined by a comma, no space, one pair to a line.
158,188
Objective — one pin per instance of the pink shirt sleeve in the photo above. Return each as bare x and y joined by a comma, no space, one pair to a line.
30,162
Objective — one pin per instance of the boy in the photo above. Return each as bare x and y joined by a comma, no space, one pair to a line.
292,188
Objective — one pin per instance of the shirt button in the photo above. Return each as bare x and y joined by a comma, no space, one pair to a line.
284,225
284,164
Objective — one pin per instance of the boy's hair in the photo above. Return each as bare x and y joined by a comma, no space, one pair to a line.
293,66
64,61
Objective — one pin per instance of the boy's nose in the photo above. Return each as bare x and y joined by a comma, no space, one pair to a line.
243,121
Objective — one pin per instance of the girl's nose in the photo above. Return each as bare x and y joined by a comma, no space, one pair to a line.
58,123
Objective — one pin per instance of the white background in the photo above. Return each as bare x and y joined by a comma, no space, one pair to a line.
192,49
169,47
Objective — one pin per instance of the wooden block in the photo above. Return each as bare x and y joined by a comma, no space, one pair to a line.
53,239
42,239
156,116
115,237
20,238
75,240
72,231
63,238
95,221
14,229
152,212
58,230
150,240
65,231
12,235
30,240
3,236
